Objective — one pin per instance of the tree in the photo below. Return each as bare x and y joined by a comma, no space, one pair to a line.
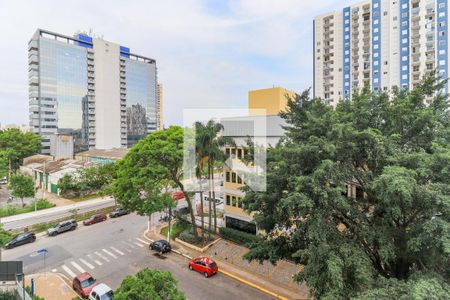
393,154
144,171
209,146
5,237
149,284
15,145
22,186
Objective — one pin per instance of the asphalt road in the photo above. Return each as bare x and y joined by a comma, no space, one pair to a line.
50,214
113,249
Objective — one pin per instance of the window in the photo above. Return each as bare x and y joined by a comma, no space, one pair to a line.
240,202
227,200
233,201
233,152
239,153
227,179
227,152
233,177
239,180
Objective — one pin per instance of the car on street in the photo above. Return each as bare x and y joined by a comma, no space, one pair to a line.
101,292
204,265
83,284
95,219
119,211
21,239
177,195
62,227
161,246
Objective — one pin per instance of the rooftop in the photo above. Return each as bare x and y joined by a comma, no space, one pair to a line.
116,153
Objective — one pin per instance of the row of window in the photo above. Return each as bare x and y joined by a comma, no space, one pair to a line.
236,152
233,177
232,200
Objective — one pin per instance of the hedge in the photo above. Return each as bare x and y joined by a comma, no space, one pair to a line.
188,237
237,236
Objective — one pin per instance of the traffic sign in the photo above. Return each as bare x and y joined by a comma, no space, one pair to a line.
42,251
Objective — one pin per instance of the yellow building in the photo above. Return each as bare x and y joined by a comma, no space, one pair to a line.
273,100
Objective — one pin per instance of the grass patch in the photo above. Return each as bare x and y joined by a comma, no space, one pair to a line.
11,210
177,228
84,198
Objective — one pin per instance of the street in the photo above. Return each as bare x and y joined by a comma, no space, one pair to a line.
54,213
115,248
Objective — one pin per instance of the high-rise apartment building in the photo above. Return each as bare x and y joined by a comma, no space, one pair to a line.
380,44
97,91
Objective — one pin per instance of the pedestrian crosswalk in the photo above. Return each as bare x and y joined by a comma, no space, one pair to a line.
100,257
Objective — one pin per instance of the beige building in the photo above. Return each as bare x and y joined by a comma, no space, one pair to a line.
273,100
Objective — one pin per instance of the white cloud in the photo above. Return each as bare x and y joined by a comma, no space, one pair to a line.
204,58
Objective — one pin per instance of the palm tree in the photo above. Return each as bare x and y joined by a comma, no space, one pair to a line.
199,171
211,143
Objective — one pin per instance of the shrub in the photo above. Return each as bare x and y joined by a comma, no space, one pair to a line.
239,237
188,237
42,204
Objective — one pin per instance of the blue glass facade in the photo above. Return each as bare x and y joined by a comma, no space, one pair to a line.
141,100
376,43
346,56
63,76
404,44
124,51
85,40
442,36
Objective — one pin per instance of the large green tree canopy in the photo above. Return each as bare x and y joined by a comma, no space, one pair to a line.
144,172
15,145
396,152
149,284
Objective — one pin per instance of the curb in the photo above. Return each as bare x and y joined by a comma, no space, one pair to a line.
228,274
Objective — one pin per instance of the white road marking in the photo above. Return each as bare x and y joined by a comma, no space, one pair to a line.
128,250
129,245
137,244
118,251
109,253
68,271
87,264
77,266
54,270
101,255
94,260
142,241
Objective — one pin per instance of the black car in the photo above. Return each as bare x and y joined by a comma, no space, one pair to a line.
162,246
21,239
119,211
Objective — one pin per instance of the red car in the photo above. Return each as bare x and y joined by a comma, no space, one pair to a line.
204,265
95,219
83,284
177,195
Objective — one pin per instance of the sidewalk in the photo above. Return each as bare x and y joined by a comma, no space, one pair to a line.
51,287
274,280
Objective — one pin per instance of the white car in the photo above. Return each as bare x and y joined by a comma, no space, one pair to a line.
101,292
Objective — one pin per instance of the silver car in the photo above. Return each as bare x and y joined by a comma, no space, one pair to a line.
62,227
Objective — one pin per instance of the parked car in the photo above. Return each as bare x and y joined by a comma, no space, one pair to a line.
62,227
3,180
83,284
95,219
21,239
177,195
204,265
119,211
101,292
162,246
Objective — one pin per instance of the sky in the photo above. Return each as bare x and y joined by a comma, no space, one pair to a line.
209,53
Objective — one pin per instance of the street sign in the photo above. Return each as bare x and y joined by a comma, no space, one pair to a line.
40,251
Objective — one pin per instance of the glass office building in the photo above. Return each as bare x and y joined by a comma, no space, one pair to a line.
94,90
